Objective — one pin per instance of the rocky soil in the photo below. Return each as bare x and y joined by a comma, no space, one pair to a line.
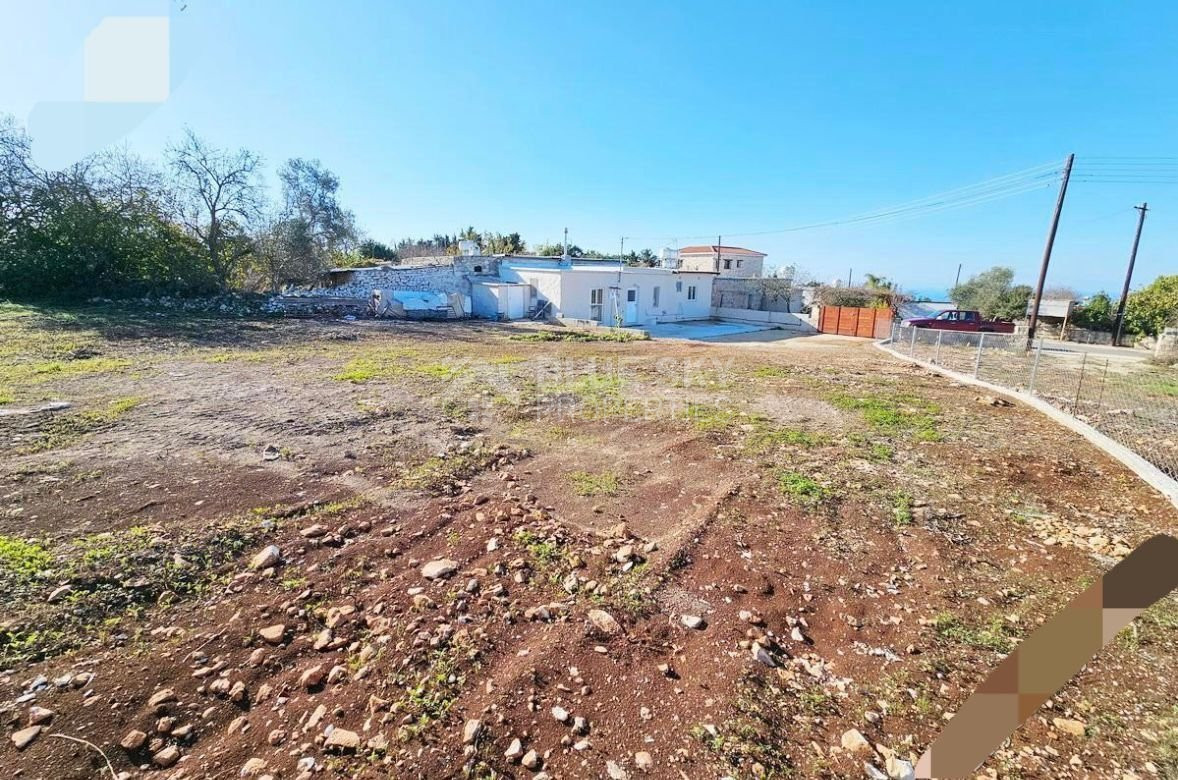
259,548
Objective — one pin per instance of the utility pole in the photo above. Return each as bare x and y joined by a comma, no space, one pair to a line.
957,281
1144,207
1063,190
566,242
849,272
719,241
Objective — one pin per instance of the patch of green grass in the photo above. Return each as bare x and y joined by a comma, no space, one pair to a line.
35,373
770,372
444,371
902,509
801,488
894,414
880,452
21,558
710,419
1163,386
588,484
765,439
994,635
611,334
6,396
545,551
64,429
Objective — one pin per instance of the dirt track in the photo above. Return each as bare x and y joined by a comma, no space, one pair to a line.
876,537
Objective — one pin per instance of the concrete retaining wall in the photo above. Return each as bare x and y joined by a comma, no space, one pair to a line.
780,319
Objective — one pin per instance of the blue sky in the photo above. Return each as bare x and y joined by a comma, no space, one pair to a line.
676,120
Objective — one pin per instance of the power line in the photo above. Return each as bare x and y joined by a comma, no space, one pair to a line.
1008,185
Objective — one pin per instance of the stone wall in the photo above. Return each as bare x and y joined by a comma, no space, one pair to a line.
1167,346
421,274
756,294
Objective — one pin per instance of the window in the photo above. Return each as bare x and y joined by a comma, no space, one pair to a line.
678,286
691,292
478,269
739,262
596,304
727,263
632,295
654,297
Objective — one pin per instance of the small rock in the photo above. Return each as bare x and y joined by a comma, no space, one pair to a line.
166,757
25,737
39,715
615,771
134,740
1068,726
692,621
439,568
762,655
604,622
643,761
253,767
471,731
313,677
273,634
899,769
514,750
342,740
268,557
560,713
162,696
854,741
531,760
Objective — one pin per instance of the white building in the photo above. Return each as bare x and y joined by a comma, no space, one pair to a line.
727,261
608,293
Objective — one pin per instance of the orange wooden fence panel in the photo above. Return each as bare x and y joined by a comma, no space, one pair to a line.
853,321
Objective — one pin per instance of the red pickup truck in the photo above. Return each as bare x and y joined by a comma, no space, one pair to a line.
958,319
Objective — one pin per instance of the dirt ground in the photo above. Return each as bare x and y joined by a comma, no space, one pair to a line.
304,548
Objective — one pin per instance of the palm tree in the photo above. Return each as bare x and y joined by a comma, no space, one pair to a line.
881,283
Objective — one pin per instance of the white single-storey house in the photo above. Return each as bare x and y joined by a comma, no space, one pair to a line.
727,261
609,293
511,287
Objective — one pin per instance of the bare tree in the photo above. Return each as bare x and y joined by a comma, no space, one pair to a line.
218,198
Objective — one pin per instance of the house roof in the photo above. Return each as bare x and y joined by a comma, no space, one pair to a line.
724,250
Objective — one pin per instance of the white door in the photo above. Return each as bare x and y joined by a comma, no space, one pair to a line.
632,306
516,302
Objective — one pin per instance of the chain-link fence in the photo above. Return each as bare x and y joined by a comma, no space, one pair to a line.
1124,396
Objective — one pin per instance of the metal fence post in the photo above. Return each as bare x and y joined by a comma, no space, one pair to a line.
1103,382
1080,384
1035,366
977,362
937,354
912,344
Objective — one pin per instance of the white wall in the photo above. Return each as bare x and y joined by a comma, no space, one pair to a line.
568,287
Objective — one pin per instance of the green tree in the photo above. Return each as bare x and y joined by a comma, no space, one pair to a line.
992,294
1096,313
873,282
376,250
1153,307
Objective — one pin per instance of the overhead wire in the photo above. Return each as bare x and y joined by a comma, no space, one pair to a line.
984,191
